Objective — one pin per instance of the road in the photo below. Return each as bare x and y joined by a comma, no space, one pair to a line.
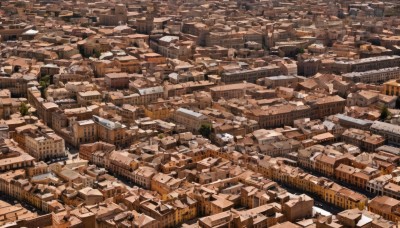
317,201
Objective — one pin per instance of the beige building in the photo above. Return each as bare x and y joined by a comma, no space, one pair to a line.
86,98
363,98
326,106
17,84
392,87
164,184
151,94
281,80
385,206
366,64
250,75
143,176
363,139
232,91
112,132
278,116
122,163
12,157
390,132
172,47
115,16
373,76
224,219
190,119
84,131
44,145
116,80
129,64
87,150
298,208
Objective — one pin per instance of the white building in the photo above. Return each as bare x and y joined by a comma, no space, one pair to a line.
376,185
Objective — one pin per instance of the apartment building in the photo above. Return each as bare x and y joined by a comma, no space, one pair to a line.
111,132
250,75
281,80
363,139
391,87
367,64
190,119
387,207
17,84
327,106
373,76
143,176
84,131
151,94
389,131
116,80
280,115
89,97
232,91
40,143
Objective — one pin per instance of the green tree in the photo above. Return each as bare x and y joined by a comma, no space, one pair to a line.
44,82
300,50
205,130
385,113
24,109
42,90
96,53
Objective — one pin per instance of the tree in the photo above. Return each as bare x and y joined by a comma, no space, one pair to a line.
96,53
205,130
384,113
24,109
42,90
44,82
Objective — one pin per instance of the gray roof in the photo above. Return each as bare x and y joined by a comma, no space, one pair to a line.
368,73
354,120
190,112
169,38
386,127
369,60
329,124
280,77
389,149
151,90
107,123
